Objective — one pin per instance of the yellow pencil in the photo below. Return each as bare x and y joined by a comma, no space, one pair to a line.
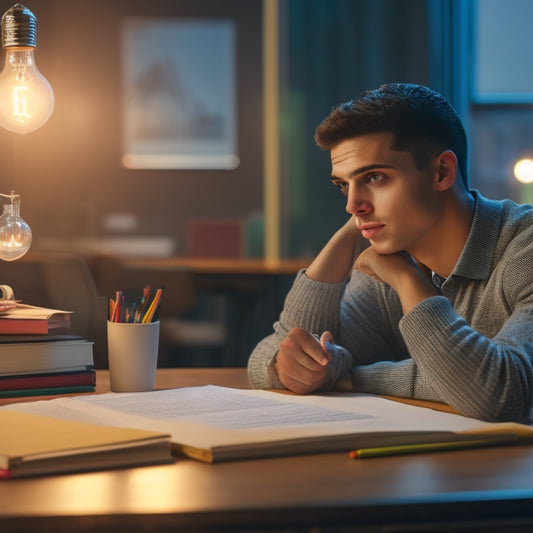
153,306
384,451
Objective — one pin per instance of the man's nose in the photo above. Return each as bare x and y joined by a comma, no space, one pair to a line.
356,203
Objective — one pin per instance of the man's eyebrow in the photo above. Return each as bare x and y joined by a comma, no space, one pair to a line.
364,169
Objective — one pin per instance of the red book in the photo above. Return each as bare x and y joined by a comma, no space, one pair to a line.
33,326
31,320
47,380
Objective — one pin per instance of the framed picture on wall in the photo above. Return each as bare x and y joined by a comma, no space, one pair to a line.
179,106
502,52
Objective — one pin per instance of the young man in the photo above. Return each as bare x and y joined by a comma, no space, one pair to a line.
440,305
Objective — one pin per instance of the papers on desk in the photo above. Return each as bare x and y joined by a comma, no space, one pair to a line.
215,423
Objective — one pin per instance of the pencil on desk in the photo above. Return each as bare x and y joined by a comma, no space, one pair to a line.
146,311
385,451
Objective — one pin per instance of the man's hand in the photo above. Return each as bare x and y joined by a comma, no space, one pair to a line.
302,361
401,272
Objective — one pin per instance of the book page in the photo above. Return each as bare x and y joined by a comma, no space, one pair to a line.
31,311
212,416
224,408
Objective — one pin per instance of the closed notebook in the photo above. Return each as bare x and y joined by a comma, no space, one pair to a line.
47,391
33,326
24,354
47,380
33,444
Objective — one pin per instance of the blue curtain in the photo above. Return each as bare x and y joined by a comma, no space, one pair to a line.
449,40
332,50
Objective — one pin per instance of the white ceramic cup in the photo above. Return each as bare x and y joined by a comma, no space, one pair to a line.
132,351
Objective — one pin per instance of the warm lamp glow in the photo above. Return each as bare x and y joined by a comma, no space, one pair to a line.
26,97
523,171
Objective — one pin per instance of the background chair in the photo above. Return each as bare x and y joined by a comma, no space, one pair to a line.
70,286
61,280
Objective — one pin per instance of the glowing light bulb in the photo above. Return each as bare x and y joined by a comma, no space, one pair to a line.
26,97
523,171
15,234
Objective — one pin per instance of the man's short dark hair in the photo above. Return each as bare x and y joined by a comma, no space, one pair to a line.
421,120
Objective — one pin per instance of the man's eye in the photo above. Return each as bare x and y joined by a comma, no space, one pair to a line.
342,186
375,177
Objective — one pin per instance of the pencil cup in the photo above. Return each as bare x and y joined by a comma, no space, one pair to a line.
132,352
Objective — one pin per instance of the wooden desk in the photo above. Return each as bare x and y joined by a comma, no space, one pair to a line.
479,490
237,266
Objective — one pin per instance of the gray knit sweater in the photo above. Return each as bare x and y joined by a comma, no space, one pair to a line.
471,348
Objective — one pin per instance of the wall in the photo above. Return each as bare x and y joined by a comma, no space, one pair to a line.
68,172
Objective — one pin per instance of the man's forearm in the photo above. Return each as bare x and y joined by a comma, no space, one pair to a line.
335,261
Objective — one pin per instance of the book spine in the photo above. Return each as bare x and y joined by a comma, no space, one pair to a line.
13,326
46,391
39,357
40,381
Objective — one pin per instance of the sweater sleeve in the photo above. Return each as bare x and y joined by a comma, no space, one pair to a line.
482,377
361,313
310,305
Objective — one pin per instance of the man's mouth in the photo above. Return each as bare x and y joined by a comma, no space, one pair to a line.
369,231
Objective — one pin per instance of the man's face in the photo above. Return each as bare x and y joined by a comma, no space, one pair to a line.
394,203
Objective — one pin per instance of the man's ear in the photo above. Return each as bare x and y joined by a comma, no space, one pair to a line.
447,170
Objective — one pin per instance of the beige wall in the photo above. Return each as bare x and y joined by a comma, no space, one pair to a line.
68,172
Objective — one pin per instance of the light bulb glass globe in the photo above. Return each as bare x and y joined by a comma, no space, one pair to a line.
26,97
523,171
15,234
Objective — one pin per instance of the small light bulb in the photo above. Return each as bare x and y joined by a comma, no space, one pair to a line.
523,171
26,97
15,234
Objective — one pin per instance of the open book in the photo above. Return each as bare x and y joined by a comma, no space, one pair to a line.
26,319
212,423
34,445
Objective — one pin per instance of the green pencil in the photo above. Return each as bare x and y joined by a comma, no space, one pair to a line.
384,451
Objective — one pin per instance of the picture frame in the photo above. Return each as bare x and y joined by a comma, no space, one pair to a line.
501,52
179,105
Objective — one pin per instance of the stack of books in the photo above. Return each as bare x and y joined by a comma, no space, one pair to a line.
38,356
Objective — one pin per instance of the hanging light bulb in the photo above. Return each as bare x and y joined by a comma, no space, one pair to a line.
26,97
15,234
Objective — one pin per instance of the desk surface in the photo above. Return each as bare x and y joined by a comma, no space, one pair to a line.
239,266
487,488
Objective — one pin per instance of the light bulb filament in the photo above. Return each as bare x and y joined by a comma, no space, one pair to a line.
20,106
14,242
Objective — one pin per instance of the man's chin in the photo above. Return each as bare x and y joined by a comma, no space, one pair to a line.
383,248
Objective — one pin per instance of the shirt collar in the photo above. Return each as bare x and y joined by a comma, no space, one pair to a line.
475,260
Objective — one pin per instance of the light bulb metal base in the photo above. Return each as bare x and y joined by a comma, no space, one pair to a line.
19,27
